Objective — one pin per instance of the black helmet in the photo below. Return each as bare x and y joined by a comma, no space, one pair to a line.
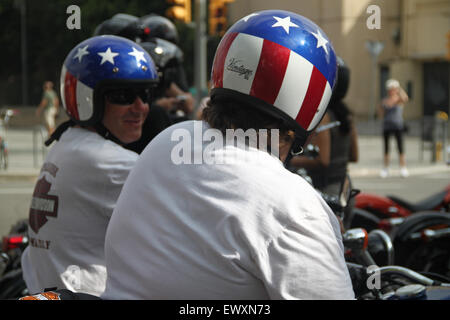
167,57
343,80
163,52
121,24
155,26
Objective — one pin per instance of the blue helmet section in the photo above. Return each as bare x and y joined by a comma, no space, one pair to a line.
109,57
303,37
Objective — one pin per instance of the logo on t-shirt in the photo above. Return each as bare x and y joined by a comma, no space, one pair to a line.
43,205
49,295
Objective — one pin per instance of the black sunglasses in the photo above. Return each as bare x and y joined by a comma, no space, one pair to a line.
126,96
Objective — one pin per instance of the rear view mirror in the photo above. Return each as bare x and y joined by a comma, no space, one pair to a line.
347,192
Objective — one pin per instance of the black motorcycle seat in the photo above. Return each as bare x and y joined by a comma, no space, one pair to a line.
427,204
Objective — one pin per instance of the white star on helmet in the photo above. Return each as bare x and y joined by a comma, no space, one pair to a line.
139,55
285,23
321,41
107,56
81,53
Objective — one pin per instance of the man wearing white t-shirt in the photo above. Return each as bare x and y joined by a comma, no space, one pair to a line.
209,210
106,88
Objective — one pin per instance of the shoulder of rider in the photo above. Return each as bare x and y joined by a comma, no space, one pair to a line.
325,120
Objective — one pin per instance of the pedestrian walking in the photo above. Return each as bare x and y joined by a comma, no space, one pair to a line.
50,105
391,110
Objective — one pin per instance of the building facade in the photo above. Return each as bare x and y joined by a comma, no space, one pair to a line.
414,36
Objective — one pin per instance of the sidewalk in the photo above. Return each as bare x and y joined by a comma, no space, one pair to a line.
26,157
418,161
418,154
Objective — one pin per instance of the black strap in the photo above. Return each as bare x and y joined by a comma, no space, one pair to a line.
105,133
59,131
98,127
296,148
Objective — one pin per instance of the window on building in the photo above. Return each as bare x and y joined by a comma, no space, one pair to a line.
384,76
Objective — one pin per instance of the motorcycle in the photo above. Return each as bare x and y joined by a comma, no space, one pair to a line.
388,281
12,284
421,239
422,242
386,212
365,252
395,283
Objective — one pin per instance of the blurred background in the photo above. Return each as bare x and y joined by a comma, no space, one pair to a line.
408,40
404,39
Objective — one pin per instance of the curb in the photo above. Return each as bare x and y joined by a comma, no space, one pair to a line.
19,175
395,173
358,172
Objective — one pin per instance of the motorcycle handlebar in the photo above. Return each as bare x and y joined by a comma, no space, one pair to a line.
429,234
387,243
410,274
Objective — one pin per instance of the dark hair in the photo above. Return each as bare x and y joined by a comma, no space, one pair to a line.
336,105
225,114
342,114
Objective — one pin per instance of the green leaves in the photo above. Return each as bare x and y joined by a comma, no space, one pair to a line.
49,40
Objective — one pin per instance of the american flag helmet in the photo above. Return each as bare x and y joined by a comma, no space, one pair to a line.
280,62
99,64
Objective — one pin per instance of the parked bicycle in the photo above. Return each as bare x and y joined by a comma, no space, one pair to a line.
5,116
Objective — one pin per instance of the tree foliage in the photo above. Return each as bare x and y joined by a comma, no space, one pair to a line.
49,40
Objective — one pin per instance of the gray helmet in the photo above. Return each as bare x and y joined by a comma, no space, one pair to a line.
343,80
167,57
121,24
155,26
162,52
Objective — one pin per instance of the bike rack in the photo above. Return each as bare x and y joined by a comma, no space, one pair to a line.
435,134
39,131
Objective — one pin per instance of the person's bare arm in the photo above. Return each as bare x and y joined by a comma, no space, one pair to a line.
168,103
403,96
56,103
323,141
41,107
187,104
354,151
380,111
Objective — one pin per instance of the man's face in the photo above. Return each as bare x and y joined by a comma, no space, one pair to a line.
125,121
47,85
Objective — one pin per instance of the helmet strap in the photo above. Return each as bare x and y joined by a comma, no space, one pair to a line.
99,128
105,133
296,149
59,131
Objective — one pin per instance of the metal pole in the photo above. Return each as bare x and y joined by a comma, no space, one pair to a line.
200,50
373,94
23,39
374,48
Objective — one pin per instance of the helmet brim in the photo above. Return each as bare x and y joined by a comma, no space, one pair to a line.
218,94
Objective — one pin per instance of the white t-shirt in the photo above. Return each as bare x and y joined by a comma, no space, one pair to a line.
244,229
72,203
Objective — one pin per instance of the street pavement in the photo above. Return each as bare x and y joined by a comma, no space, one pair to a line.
418,158
26,155
27,152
